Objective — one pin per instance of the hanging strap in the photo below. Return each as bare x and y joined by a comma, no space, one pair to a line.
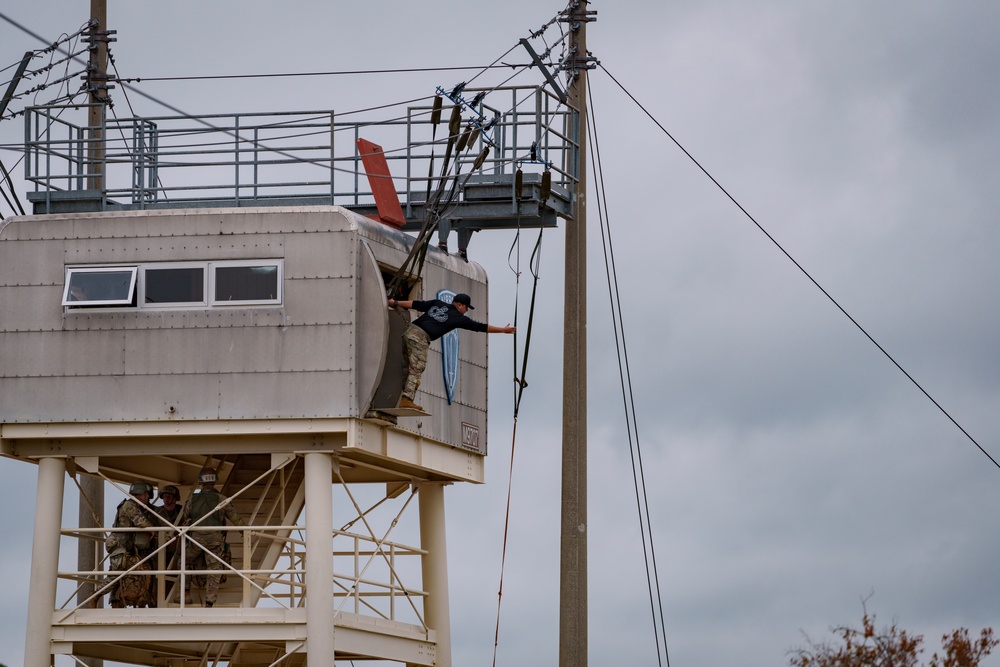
521,384
521,381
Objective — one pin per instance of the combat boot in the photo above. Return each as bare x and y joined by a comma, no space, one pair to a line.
407,403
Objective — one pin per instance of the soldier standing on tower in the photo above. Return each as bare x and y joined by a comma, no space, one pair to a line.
208,507
439,317
126,549
169,510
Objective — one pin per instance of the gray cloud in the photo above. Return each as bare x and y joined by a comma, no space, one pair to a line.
791,470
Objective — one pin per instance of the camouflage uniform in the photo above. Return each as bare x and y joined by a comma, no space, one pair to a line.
171,548
415,345
131,513
205,503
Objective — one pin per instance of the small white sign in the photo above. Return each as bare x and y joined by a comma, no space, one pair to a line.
470,436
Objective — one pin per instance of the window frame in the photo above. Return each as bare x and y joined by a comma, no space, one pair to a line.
158,266
71,271
218,303
137,285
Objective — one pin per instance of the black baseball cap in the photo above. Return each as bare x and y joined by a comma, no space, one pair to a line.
464,298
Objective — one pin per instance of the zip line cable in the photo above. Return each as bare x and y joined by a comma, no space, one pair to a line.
50,45
10,186
398,70
42,70
804,272
628,399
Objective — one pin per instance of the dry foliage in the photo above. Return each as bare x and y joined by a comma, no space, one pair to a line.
892,647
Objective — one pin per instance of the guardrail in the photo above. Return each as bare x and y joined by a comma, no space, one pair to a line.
307,157
369,575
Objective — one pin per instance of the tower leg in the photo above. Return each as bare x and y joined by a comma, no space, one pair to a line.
44,562
91,516
435,568
319,562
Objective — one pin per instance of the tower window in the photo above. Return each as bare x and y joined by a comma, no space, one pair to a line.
252,282
104,286
174,285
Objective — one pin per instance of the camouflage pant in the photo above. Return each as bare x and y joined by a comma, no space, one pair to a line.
214,543
415,346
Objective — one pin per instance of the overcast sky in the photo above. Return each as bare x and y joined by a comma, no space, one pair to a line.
792,470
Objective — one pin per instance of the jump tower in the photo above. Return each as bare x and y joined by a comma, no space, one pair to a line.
211,291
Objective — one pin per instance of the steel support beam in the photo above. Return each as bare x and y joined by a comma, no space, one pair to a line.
434,567
319,563
91,514
44,561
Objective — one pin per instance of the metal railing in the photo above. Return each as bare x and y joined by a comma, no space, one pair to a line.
305,157
368,575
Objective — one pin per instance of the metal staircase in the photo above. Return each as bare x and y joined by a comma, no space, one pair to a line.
264,497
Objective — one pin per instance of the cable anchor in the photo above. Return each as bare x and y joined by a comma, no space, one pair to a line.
477,123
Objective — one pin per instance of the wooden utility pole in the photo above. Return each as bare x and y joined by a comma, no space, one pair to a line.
573,538
98,94
91,509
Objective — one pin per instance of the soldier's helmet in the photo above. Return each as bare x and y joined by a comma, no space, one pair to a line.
207,476
171,489
139,487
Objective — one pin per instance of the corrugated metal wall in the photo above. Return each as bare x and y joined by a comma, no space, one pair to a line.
317,355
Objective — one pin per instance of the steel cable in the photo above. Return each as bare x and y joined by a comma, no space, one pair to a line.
804,272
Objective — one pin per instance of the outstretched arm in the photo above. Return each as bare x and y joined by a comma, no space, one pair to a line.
504,329
402,304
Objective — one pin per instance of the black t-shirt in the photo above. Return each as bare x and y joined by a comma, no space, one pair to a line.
439,318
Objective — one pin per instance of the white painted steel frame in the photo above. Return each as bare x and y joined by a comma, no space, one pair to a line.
320,628
44,561
352,634
369,444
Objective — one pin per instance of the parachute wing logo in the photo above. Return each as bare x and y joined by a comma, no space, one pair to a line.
449,352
